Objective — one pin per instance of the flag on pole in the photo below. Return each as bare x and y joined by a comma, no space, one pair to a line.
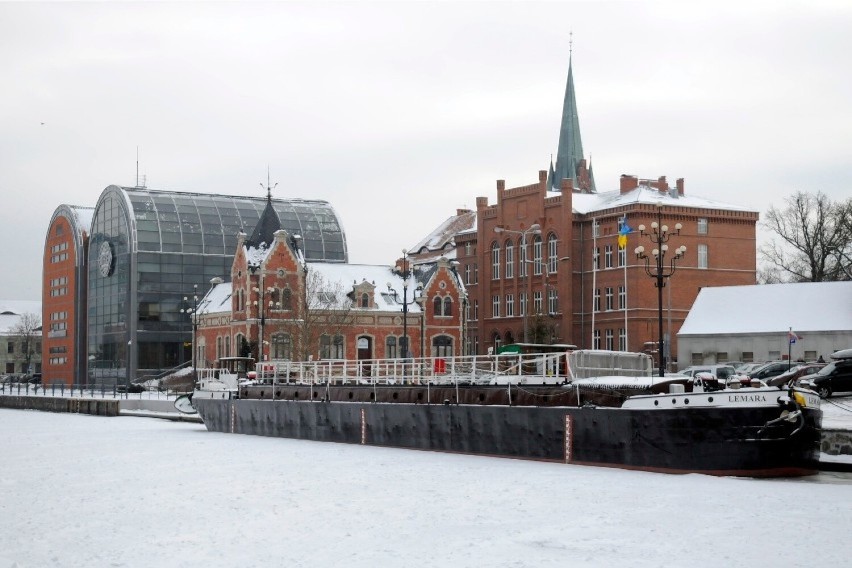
623,230
793,337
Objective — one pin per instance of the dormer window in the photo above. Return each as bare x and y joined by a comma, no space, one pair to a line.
365,300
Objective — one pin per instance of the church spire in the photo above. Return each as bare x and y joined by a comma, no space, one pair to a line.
569,155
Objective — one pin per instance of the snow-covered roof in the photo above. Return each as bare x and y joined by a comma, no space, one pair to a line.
12,310
218,299
768,308
349,275
84,216
441,238
585,203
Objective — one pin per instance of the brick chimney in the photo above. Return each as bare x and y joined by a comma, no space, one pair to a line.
679,183
628,183
662,184
460,212
481,202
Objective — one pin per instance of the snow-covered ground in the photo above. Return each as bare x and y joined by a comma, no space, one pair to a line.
80,490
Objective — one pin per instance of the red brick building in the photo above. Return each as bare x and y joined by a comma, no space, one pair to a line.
64,295
278,307
543,263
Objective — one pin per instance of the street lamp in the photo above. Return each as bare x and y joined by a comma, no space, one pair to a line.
405,274
260,304
659,236
193,318
534,229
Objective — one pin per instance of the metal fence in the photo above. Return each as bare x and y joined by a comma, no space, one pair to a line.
84,391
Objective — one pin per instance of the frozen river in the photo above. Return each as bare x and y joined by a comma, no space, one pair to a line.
92,491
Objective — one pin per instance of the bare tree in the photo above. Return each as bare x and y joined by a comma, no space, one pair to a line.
814,236
324,309
28,332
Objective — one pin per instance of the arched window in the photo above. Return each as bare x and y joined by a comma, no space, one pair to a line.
510,338
442,346
552,256
275,298
496,341
286,299
282,346
437,306
448,306
537,264
228,346
510,259
241,346
218,348
495,260
390,347
365,300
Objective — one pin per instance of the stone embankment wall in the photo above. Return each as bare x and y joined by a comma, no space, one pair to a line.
836,442
99,407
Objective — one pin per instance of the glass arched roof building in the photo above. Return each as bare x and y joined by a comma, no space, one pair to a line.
148,250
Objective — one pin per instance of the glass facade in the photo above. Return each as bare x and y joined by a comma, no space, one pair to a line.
149,250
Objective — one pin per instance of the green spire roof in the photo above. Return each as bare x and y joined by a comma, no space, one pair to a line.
570,151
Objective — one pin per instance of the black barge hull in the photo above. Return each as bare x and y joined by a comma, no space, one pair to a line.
730,441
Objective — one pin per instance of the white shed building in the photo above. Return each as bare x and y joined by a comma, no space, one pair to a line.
753,323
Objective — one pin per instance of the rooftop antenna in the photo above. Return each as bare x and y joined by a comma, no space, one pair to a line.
268,187
138,178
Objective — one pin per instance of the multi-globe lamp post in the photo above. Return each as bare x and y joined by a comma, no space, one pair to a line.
659,236
193,318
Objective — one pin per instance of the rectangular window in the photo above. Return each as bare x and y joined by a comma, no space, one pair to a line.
510,305
522,260
596,258
810,355
537,264
476,309
608,256
468,249
510,260
774,355
748,356
702,256
597,300
609,340
596,339
495,262
552,301
476,274
622,339
495,306
609,299
523,303
537,302
10,367
622,257
552,257
467,274
721,357
622,298
10,347
702,226
697,358
596,229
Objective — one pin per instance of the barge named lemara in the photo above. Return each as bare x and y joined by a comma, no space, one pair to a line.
563,405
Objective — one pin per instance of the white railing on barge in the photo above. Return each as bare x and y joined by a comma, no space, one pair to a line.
547,368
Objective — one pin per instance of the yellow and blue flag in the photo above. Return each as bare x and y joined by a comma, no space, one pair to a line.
623,230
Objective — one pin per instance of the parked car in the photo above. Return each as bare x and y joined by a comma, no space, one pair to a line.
720,372
834,378
769,370
747,368
795,374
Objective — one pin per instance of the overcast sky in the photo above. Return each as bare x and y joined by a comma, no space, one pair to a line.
399,113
